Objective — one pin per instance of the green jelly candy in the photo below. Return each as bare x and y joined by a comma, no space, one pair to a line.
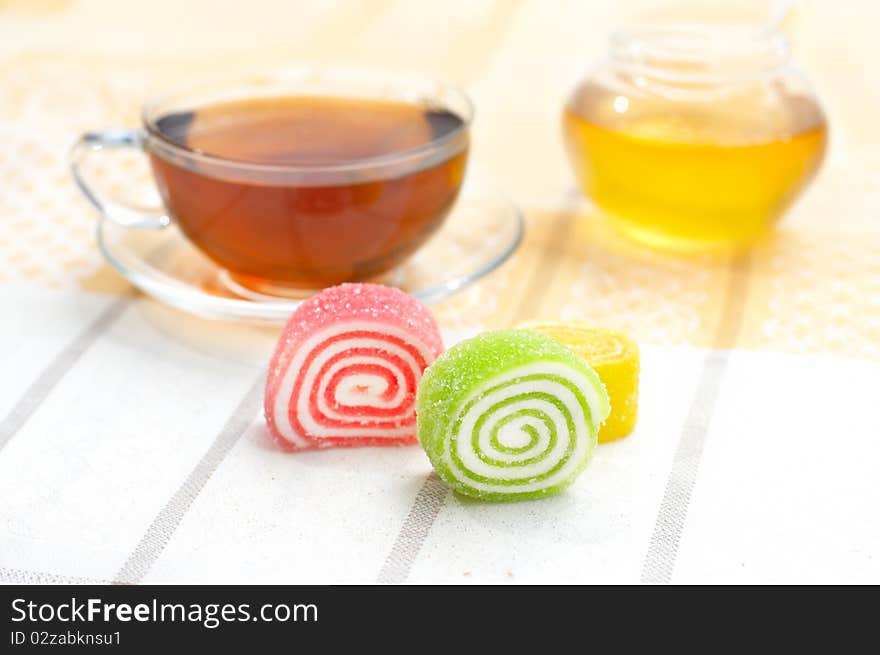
509,415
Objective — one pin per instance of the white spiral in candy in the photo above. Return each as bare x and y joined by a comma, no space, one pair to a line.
382,356
525,431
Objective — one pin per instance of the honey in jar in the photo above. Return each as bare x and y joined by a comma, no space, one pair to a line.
694,137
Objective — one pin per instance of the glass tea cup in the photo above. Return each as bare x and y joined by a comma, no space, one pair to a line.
298,180
695,136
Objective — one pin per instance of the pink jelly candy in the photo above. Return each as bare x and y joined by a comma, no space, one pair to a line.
346,368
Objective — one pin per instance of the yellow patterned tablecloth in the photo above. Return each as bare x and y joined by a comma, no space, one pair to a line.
131,446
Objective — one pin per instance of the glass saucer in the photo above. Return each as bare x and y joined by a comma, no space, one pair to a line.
482,231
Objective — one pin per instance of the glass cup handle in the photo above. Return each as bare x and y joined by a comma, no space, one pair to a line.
151,218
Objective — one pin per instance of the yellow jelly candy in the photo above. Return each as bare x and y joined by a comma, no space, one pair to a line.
614,356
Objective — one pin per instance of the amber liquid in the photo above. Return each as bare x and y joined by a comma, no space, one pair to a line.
271,232
695,177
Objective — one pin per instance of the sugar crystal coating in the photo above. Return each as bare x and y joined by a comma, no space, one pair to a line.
346,368
614,356
509,415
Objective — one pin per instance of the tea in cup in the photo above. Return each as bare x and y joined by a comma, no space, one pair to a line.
295,184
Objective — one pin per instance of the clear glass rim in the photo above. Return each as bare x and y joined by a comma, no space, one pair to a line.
700,52
287,82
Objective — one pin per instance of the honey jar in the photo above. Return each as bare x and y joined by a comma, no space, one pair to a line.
694,136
